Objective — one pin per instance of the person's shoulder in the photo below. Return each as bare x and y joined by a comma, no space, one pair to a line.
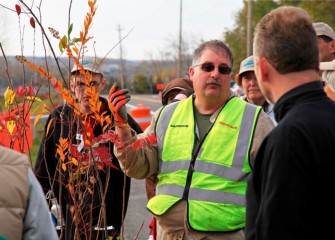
170,106
11,152
237,99
13,157
60,109
265,121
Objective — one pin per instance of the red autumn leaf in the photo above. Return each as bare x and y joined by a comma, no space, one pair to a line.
18,9
20,91
110,163
89,132
103,138
31,90
32,22
85,158
74,152
120,145
152,139
143,142
102,152
138,144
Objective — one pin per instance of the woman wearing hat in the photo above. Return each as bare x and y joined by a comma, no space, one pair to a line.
246,78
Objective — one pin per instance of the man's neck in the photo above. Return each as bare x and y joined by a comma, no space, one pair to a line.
85,111
209,106
287,82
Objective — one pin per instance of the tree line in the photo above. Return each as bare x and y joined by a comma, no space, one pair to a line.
236,37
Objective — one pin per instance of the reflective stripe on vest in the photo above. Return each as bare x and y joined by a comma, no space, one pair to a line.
221,160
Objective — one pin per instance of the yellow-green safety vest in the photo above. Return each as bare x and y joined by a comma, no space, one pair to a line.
212,178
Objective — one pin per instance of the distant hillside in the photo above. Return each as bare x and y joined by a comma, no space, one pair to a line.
19,73
147,73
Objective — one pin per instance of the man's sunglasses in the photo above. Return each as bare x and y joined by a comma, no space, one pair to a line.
209,67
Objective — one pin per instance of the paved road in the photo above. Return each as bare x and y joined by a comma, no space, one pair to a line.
138,217
151,101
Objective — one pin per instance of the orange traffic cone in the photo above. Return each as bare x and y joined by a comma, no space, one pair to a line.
141,115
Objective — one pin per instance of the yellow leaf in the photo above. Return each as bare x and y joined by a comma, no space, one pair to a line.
34,99
9,96
10,125
64,167
37,118
74,161
48,127
75,50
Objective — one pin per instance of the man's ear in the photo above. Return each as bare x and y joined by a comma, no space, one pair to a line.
102,84
191,72
263,69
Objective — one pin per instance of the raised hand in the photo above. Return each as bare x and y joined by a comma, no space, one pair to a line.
117,100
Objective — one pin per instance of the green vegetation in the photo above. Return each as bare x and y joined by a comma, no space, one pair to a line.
236,37
39,130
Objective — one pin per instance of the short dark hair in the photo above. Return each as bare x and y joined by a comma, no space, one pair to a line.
286,38
214,45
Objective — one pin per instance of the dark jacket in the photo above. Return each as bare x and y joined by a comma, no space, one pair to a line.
289,194
47,163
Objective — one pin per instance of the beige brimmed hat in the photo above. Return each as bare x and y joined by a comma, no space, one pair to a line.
89,65
327,65
323,29
246,65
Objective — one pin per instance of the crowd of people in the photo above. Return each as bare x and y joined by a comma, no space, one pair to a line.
221,166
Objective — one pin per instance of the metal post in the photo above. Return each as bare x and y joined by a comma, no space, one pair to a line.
121,60
180,40
249,25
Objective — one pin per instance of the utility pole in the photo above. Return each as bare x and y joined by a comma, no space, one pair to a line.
249,24
180,62
121,59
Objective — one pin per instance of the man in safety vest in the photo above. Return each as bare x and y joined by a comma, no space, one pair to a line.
205,148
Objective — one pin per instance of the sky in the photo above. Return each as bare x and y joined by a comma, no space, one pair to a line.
151,25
